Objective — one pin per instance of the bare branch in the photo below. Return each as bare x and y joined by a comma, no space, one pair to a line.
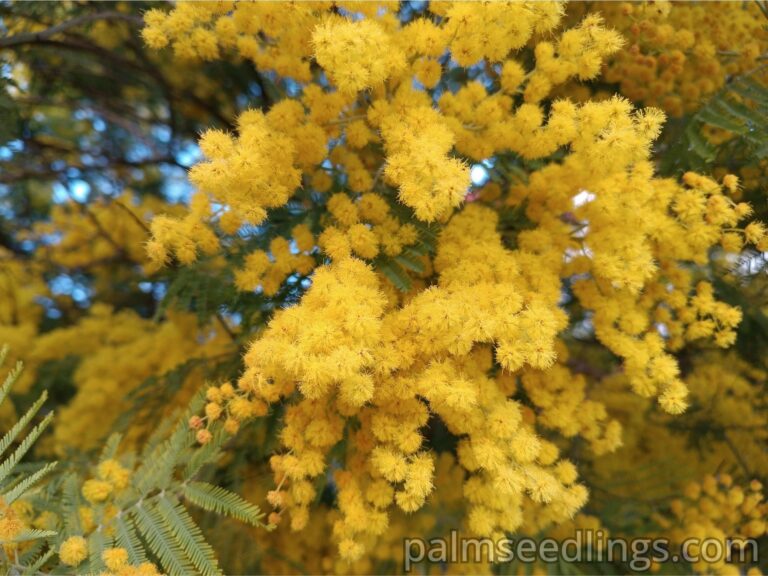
42,35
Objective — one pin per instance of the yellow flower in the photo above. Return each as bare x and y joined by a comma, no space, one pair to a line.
112,471
96,491
115,558
73,550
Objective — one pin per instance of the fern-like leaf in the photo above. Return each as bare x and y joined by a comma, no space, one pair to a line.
22,481
34,566
406,260
110,447
31,552
189,536
11,377
158,465
206,453
157,472
28,535
125,534
222,501
7,466
741,108
161,541
70,500
394,273
25,484
97,543
10,436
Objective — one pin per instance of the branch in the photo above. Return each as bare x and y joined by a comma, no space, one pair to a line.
111,164
226,327
42,35
737,455
130,212
100,229
151,69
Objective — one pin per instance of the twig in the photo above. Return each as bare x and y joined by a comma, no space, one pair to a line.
34,37
737,454
133,215
226,327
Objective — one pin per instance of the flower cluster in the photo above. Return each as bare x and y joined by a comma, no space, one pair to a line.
428,180
109,371
681,53
74,550
379,364
717,509
446,271
272,39
12,522
269,270
87,236
357,55
365,227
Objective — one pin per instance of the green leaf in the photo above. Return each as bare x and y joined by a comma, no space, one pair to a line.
417,250
110,447
21,488
7,466
221,501
207,453
70,500
748,88
741,108
161,541
35,566
11,377
395,273
408,262
737,111
189,536
11,435
31,551
156,471
29,535
720,119
97,543
125,534
698,145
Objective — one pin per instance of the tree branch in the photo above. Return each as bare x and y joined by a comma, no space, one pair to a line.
42,35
